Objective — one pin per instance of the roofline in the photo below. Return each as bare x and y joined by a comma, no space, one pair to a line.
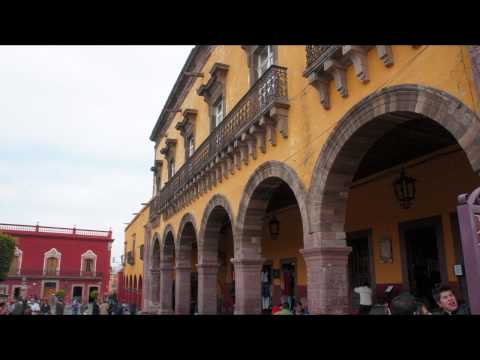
136,216
164,115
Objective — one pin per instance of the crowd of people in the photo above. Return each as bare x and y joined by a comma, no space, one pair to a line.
56,306
403,304
406,304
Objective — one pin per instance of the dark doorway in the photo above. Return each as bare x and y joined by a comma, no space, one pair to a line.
289,281
92,294
16,293
78,292
360,265
422,262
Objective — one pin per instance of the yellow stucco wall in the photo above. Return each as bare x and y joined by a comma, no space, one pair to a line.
136,230
445,68
373,206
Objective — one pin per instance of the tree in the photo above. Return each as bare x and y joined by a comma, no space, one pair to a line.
7,252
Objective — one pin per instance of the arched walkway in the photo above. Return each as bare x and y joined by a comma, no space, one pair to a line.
249,230
214,252
167,255
186,250
355,133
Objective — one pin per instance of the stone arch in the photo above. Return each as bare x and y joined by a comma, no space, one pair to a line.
251,210
357,131
210,227
156,251
167,249
186,237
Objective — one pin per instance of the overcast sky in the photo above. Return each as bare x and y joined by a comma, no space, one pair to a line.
75,123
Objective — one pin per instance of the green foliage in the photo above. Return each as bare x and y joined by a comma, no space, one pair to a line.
7,252
93,295
60,294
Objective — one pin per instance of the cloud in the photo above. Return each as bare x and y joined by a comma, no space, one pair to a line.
74,129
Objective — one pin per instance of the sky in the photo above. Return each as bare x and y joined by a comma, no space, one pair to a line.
75,123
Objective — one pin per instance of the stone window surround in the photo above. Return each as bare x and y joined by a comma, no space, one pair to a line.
187,129
52,253
89,254
157,176
252,52
168,151
214,89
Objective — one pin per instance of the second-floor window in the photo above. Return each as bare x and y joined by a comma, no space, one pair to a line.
265,59
88,265
141,251
218,111
52,266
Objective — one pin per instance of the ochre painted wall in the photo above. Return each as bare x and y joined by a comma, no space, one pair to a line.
445,68
439,181
136,230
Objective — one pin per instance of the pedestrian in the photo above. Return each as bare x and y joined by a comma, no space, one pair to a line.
133,309
285,310
18,307
35,306
59,307
447,301
422,309
75,306
3,308
403,304
365,293
45,307
299,309
276,309
104,307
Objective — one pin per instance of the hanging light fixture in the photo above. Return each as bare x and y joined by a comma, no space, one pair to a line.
274,227
404,188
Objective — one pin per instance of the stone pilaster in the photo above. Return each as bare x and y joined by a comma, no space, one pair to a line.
327,279
183,276
248,286
166,283
207,288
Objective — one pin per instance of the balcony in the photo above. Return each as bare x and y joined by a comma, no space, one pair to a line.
249,124
62,274
325,63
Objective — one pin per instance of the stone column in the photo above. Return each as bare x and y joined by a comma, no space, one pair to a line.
248,286
166,283
154,296
327,279
207,288
183,276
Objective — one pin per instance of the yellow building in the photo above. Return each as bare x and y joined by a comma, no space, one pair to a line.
133,259
300,172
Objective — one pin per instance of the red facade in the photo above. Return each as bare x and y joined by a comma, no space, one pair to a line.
49,259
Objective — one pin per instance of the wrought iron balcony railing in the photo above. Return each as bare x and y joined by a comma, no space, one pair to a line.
319,53
269,90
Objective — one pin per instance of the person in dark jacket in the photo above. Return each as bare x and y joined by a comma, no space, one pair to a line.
18,308
403,304
447,302
45,308
95,308
59,307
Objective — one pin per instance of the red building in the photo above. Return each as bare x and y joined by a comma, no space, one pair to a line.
49,259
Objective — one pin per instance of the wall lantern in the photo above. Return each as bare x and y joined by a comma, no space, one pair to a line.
404,188
274,227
